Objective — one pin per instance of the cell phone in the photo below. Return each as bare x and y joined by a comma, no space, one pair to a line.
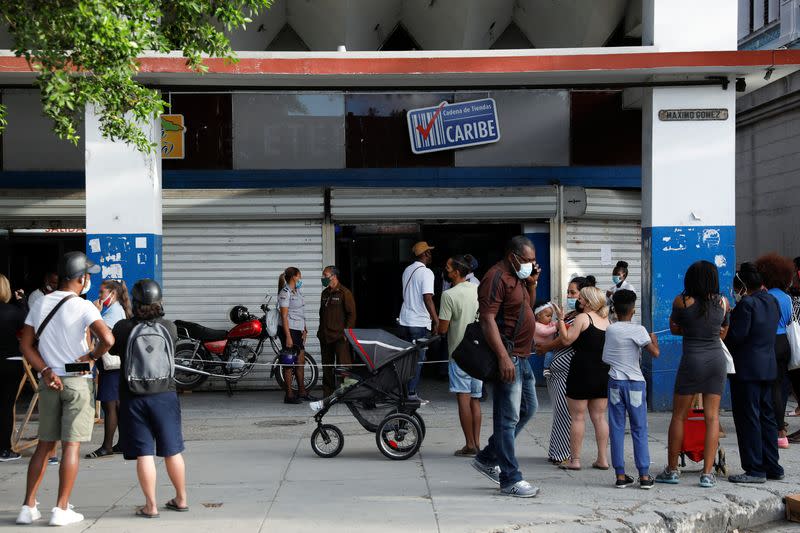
77,367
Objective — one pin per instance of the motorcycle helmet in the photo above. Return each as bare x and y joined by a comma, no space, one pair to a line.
288,356
74,265
239,314
146,291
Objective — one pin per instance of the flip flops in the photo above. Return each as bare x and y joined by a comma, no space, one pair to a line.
99,453
172,506
140,512
598,467
566,466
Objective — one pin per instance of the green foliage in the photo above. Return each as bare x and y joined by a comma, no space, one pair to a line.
85,53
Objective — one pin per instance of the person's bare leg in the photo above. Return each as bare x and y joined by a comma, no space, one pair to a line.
477,418
680,410
176,470
465,417
711,415
300,373
597,412
146,472
288,374
36,469
68,471
577,412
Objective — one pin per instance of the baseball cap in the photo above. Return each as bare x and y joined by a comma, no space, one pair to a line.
420,248
75,264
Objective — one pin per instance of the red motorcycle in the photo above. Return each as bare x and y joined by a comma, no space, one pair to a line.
203,352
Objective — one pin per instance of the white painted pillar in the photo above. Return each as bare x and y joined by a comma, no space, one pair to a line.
123,206
688,175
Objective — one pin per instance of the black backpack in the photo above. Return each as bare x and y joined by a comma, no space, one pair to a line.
149,359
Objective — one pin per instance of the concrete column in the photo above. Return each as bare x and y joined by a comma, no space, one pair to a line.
123,206
688,175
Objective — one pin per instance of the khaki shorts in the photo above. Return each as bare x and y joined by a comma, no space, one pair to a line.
66,415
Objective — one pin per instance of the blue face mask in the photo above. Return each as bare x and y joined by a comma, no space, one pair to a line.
616,279
298,284
571,303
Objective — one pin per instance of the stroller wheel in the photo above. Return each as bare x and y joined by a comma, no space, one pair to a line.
327,440
399,436
421,423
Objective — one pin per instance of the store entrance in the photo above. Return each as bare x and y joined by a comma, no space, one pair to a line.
372,258
26,255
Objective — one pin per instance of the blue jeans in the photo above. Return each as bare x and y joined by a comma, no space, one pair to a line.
412,333
625,396
513,405
548,358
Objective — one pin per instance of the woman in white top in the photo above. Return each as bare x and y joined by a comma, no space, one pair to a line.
114,305
619,276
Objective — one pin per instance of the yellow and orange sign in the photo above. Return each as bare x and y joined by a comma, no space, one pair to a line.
172,130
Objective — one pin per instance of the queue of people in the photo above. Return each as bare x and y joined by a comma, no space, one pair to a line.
592,365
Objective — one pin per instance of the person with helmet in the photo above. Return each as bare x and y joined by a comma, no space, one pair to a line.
53,336
150,424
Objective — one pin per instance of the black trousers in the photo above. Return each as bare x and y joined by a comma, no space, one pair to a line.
782,355
10,374
756,430
337,352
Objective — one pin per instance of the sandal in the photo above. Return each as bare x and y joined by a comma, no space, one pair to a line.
599,467
172,506
98,453
566,466
466,452
140,512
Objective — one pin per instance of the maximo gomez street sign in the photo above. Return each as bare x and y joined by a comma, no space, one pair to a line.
449,126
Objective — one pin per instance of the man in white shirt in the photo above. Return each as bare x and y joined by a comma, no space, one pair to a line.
418,314
66,411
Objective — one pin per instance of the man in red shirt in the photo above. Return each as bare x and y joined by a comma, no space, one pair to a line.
505,298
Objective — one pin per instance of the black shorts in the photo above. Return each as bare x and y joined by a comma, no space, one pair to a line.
297,339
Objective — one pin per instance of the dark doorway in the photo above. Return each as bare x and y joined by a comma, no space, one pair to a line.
26,257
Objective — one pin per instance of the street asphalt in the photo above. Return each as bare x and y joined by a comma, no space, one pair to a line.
250,468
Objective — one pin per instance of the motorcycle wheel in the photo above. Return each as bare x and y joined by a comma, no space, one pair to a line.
310,375
186,355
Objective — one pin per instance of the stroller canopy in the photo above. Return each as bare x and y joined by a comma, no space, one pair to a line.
375,346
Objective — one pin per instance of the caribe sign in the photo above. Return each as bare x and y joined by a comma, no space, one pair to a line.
172,130
450,126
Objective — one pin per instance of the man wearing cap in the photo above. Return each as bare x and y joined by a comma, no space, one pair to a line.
418,314
53,336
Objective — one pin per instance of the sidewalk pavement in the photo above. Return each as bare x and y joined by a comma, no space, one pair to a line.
250,468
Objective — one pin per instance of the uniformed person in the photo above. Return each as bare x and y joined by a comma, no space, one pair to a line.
337,312
292,332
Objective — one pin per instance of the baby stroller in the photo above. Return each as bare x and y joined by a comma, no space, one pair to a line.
693,446
377,395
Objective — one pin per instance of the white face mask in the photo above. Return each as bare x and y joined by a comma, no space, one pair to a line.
525,269
88,286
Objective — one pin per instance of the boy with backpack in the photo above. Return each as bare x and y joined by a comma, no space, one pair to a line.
150,413
627,390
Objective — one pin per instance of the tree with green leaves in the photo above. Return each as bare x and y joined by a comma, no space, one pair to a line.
85,52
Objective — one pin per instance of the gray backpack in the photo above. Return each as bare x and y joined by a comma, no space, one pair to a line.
149,359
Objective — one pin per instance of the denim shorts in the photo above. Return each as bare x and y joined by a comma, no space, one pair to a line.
151,425
461,382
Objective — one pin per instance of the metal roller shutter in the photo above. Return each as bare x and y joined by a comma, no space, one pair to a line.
449,204
210,265
594,247
41,208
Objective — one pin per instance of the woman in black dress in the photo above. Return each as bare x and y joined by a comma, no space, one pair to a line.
699,315
13,309
587,382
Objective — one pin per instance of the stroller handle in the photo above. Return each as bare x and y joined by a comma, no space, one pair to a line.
426,341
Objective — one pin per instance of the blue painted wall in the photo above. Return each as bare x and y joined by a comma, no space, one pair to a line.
667,253
130,257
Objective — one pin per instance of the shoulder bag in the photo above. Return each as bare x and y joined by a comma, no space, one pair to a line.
474,356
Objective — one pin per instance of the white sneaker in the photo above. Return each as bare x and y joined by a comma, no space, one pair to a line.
64,518
316,406
28,515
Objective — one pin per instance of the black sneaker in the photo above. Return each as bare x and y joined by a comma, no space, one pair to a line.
293,400
622,483
8,455
775,477
646,484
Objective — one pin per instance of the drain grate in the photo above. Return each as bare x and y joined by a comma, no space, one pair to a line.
281,422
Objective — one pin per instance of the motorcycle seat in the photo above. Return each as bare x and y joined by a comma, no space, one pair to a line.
201,333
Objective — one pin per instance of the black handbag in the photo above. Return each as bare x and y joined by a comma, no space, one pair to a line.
474,356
